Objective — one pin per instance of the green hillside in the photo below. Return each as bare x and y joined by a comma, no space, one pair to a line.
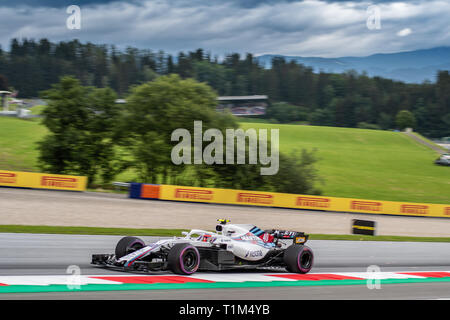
358,163
370,164
18,140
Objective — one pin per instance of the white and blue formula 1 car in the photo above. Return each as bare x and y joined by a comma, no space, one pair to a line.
232,246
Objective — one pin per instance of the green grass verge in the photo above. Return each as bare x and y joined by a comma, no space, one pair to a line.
89,230
177,232
356,237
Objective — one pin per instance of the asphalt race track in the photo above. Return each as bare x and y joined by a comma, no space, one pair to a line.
96,209
38,257
50,255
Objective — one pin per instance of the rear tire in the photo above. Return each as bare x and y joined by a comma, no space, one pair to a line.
298,258
183,258
127,245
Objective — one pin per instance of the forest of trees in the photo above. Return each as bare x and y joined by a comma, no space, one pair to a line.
295,91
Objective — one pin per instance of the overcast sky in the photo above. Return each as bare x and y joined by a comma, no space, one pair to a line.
306,28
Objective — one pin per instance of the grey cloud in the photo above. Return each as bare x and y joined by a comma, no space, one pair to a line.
319,28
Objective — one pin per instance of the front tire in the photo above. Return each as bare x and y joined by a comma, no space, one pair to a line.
183,258
127,245
298,258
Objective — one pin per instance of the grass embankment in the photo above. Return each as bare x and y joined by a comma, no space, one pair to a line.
355,163
177,232
369,164
18,144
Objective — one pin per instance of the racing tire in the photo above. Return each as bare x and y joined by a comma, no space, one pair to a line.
183,258
127,245
298,258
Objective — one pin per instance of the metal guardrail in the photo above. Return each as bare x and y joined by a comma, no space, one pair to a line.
119,185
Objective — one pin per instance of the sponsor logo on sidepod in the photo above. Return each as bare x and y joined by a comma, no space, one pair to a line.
253,254
447,211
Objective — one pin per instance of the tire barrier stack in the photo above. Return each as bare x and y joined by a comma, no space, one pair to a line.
363,227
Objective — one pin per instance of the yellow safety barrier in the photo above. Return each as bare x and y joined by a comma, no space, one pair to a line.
286,200
42,180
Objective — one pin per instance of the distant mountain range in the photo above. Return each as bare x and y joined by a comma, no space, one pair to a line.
412,66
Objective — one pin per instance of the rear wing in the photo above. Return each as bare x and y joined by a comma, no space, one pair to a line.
296,236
